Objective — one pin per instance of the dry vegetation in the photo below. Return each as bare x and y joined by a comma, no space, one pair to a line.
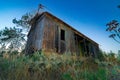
50,66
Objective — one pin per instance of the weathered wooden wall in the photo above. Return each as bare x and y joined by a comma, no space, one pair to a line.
45,34
35,37
52,37
48,36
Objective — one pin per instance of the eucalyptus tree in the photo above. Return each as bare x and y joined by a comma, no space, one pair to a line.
114,28
16,37
24,21
12,38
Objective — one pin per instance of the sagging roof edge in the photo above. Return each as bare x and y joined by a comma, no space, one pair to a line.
76,31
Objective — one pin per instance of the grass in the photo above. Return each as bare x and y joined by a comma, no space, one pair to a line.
50,66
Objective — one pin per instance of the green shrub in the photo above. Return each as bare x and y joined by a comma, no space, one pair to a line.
40,66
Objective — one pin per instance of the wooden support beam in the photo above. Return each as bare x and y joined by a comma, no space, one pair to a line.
85,49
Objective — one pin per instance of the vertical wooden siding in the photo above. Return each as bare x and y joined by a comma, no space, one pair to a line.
35,37
45,34
48,36
51,39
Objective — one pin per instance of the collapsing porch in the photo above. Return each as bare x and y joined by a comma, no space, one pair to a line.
83,47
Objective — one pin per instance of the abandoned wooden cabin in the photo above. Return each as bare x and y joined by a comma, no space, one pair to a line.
49,33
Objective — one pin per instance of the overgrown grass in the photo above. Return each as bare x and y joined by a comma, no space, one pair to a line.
50,66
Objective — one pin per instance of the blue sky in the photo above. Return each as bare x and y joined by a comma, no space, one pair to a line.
87,16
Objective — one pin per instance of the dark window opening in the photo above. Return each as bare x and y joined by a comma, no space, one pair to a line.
62,34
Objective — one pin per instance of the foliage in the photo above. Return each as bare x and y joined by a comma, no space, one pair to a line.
24,21
12,38
50,66
114,28
101,55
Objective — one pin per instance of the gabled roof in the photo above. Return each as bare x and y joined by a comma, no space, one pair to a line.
37,16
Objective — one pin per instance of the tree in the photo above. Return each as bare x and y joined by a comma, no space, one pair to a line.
114,28
24,22
12,38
